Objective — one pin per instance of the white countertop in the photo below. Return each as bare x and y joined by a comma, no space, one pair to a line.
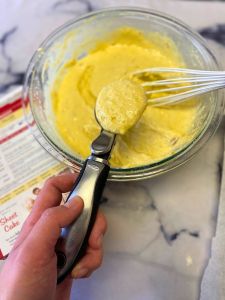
159,230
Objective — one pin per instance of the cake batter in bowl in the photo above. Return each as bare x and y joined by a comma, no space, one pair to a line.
71,67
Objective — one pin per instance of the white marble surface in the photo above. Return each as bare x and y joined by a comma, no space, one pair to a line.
159,230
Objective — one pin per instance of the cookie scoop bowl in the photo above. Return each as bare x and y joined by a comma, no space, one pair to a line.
76,39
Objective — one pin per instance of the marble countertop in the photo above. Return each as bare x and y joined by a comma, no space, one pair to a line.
159,230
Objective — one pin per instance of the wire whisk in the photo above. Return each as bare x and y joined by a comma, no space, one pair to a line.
167,86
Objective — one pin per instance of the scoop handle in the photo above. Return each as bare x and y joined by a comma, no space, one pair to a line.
73,240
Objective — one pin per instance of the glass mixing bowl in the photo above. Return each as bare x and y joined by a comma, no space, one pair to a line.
75,39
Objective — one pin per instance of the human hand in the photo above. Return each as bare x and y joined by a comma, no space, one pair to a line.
30,271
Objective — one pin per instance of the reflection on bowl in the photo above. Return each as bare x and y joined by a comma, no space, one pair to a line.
75,40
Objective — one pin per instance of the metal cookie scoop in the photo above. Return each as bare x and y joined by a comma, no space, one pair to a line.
89,186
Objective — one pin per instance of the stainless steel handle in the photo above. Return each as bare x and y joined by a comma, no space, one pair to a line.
73,241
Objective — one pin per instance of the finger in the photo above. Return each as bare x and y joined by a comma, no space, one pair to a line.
51,193
88,264
44,235
99,229
93,258
50,196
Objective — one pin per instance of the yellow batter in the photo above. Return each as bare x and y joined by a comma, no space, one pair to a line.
160,132
120,105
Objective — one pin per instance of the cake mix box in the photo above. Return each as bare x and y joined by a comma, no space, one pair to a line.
24,166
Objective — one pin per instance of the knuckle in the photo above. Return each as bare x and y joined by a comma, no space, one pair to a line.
105,226
50,181
48,213
98,261
88,274
103,221
30,223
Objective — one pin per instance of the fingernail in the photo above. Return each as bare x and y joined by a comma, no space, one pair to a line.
79,272
99,240
74,202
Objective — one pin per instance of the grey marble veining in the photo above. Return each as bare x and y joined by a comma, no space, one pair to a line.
159,230
215,33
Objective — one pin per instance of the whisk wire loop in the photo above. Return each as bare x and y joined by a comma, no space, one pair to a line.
185,84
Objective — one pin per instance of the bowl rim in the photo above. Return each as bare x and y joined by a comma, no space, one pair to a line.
134,173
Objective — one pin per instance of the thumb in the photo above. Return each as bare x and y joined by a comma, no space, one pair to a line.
45,233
